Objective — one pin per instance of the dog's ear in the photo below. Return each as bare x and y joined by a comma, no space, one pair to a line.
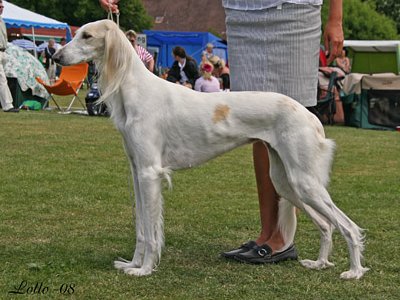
111,54
115,61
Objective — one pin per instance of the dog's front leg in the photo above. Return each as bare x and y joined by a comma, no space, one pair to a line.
137,260
149,185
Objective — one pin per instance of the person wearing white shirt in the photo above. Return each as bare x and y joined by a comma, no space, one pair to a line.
273,46
6,99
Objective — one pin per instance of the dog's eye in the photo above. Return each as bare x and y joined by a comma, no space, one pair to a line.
86,35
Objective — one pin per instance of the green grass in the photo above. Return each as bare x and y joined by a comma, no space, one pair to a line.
66,215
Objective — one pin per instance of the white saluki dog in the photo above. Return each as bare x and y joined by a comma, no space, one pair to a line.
169,127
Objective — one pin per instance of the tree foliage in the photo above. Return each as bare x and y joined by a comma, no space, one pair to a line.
79,12
390,8
362,22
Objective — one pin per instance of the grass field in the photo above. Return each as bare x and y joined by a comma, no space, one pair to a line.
66,215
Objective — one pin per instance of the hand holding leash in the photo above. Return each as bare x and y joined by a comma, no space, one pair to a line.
111,6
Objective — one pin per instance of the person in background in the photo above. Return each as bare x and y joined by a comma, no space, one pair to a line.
184,70
274,46
62,43
49,63
6,99
208,53
143,54
207,82
221,71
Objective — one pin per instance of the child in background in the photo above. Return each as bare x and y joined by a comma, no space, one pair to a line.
207,82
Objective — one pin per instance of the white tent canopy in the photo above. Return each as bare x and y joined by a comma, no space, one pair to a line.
17,17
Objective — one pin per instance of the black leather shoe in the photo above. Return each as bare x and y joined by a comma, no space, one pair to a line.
14,110
263,255
243,248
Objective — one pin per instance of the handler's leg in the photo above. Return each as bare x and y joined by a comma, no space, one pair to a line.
270,246
268,200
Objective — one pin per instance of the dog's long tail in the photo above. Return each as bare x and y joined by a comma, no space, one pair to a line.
287,221
324,160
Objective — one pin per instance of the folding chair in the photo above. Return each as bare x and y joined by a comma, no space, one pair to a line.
70,81
326,104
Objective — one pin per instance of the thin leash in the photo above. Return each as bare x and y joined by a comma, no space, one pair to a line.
111,15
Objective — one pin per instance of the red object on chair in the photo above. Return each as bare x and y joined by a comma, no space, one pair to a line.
322,58
70,81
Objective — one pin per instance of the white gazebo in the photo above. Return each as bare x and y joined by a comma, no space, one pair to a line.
17,17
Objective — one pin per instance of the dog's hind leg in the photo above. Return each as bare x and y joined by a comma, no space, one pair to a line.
326,230
317,197
307,168
139,248
149,182
355,240
287,223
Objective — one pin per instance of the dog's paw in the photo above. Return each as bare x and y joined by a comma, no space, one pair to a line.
120,265
354,274
316,264
137,271
123,264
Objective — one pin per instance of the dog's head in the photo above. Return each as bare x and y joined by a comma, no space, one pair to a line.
105,44
92,42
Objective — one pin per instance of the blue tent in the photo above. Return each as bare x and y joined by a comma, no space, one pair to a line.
194,43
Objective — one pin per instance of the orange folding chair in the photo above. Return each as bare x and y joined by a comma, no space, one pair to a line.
70,81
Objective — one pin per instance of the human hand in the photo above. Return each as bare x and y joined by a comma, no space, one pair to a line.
333,40
110,4
333,33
